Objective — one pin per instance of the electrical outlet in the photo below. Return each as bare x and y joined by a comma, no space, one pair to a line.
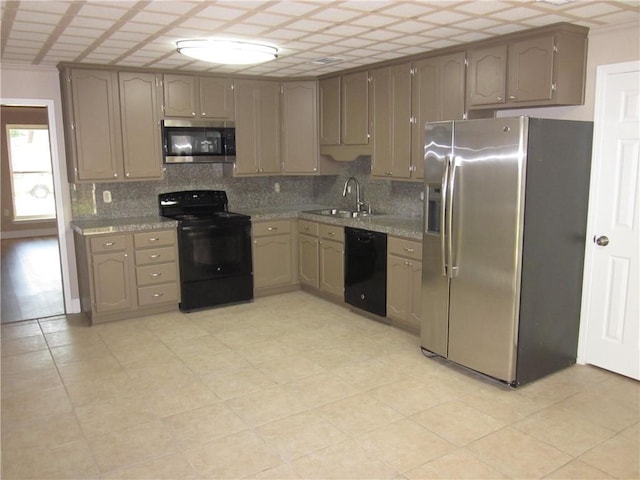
106,196
276,187
421,195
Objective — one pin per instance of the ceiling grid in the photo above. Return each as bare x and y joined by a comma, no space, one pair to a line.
357,32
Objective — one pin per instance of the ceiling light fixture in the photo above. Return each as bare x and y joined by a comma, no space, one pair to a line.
228,52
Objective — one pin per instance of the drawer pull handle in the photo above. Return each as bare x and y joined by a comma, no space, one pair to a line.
306,227
273,229
109,244
154,239
155,255
332,233
410,250
158,295
155,275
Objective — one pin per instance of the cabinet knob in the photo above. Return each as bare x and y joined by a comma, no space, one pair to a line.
154,239
273,229
158,295
115,175
155,255
155,275
500,99
410,250
193,114
109,244
512,97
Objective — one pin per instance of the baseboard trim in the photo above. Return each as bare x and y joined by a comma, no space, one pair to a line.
37,232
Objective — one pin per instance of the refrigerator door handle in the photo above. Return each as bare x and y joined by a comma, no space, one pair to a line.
443,214
451,190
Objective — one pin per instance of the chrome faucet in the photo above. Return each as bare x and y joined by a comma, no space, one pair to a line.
359,204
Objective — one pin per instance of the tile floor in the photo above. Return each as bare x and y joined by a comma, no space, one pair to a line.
291,386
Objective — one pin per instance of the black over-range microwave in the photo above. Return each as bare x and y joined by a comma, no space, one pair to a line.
198,141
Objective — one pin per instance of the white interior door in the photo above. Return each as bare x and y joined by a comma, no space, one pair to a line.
611,315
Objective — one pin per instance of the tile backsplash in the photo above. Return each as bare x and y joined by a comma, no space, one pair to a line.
133,199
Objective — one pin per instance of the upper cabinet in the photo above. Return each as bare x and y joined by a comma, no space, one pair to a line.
391,121
532,69
437,94
257,128
299,144
344,116
192,96
111,125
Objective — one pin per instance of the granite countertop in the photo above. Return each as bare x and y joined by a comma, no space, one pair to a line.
407,227
124,224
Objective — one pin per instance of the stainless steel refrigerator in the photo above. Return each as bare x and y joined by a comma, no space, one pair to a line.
504,238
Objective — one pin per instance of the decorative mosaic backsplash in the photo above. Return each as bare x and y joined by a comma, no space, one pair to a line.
140,198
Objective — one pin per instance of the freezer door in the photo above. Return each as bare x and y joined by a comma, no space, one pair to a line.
487,191
435,284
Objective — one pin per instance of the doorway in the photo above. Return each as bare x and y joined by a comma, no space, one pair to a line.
31,263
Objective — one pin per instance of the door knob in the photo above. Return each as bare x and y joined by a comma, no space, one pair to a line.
603,240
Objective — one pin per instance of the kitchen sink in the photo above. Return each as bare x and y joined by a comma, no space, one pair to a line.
339,213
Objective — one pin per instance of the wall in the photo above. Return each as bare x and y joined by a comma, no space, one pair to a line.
39,86
9,227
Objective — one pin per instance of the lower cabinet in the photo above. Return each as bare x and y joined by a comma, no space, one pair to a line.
127,275
274,256
404,282
321,257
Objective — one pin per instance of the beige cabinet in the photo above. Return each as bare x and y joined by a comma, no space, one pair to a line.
193,96
111,125
344,116
437,94
257,128
300,151
309,253
321,258
404,282
533,69
127,275
391,121
274,256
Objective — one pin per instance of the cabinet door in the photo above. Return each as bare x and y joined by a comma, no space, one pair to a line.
329,89
216,98
272,264
96,122
438,93
257,127
355,109
112,282
391,118
531,69
486,76
332,267
140,125
180,98
308,251
299,127
398,287
414,313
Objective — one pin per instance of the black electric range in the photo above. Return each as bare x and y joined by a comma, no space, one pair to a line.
214,248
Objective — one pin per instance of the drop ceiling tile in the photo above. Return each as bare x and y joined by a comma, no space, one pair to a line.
591,10
541,20
445,32
446,17
380,34
504,29
345,30
620,17
129,36
410,26
22,45
516,14
285,34
221,13
203,24
267,19
73,40
482,8
472,37
443,43
321,38
139,27
374,21
80,32
368,5
244,29
309,25
51,7
37,17
294,9
154,18
100,11
335,15
407,10
355,42
477,24
175,8
27,36
89,22
32,27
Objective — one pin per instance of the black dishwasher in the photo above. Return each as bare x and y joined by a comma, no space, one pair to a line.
365,275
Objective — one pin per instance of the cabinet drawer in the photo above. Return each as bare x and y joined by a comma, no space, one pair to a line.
148,256
111,243
404,248
332,232
276,227
154,239
156,294
153,274
307,227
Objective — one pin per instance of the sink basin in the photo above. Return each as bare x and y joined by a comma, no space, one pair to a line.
339,213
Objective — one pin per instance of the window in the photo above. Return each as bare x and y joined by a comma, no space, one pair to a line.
31,176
